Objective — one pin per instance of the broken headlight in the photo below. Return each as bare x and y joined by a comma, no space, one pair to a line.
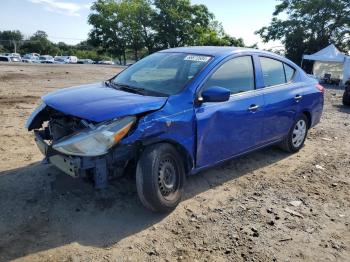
97,140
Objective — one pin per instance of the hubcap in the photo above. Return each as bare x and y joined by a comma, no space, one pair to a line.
299,133
167,177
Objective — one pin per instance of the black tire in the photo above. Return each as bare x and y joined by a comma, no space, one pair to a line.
288,144
346,100
160,177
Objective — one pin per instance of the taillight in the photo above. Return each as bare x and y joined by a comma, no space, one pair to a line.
320,88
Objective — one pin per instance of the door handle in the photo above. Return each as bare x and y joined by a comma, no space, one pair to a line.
253,108
297,98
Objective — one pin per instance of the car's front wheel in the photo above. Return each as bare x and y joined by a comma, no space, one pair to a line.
296,136
160,177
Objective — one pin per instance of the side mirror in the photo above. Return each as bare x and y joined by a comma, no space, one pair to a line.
215,94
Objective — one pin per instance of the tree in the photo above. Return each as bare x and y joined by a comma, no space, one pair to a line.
214,35
10,40
39,43
136,18
311,26
139,25
179,23
108,28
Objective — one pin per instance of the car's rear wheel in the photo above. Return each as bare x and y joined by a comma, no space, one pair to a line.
160,177
296,136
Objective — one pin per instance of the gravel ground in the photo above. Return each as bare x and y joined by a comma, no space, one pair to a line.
265,206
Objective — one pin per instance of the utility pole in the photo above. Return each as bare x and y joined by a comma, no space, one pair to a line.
15,45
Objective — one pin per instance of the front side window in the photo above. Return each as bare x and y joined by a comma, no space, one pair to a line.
236,75
162,74
273,71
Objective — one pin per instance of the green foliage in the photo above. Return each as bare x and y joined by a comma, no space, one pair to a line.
89,54
130,29
311,26
214,35
9,40
153,25
179,23
107,30
39,43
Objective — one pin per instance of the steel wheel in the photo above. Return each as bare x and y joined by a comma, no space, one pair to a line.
167,177
299,133
160,177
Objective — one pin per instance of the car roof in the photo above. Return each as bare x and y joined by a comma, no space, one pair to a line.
211,50
220,51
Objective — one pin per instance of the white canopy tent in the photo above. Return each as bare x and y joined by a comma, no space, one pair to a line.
330,61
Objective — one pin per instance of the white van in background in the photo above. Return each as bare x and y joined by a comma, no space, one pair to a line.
72,59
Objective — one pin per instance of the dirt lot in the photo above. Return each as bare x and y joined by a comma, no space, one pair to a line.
266,206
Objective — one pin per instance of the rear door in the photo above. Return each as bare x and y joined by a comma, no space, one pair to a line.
282,96
226,129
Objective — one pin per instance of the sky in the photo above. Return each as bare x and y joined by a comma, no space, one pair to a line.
66,20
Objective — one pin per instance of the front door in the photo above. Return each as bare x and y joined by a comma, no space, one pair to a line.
226,129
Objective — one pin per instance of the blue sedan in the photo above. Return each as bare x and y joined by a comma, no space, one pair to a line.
174,113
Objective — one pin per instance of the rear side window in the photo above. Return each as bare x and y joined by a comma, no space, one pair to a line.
237,75
289,72
275,72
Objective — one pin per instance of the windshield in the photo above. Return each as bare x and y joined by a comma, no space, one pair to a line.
162,73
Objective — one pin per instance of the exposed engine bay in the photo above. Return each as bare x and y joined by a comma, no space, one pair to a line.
52,128
54,125
60,126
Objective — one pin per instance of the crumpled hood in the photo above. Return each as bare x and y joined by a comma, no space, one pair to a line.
97,102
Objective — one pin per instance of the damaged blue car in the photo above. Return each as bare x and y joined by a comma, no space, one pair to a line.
174,113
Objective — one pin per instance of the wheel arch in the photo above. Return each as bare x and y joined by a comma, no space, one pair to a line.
308,116
185,155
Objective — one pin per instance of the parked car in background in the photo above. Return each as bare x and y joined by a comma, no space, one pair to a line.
15,59
46,59
85,61
4,58
105,62
13,55
60,60
34,54
66,59
175,113
30,58
346,95
72,59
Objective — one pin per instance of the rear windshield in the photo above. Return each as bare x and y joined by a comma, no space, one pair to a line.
162,73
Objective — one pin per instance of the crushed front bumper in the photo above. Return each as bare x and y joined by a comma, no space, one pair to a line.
69,165
101,167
